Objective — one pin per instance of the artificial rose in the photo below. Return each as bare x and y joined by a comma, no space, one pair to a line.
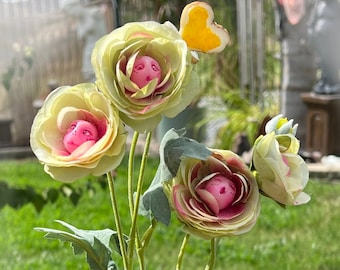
281,173
77,132
214,198
145,68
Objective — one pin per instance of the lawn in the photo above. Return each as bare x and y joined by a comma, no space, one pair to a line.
304,237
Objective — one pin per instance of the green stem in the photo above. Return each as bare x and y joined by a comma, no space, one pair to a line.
148,233
130,170
133,229
182,251
116,216
145,241
213,251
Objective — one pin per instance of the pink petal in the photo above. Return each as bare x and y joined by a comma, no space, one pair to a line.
209,200
81,149
242,188
236,164
217,165
231,212
202,213
194,171
178,194
201,182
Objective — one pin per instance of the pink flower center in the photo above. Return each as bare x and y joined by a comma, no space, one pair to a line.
145,69
222,189
79,132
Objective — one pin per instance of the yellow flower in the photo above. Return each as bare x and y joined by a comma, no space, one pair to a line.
77,132
214,198
167,87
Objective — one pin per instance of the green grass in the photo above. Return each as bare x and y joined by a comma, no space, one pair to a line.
304,237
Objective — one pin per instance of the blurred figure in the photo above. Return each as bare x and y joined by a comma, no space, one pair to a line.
298,68
294,10
324,37
91,26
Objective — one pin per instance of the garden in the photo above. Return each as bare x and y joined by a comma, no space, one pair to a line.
229,189
304,237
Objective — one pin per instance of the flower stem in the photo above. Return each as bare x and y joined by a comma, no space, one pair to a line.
133,229
148,233
213,251
181,251
116,216
130,170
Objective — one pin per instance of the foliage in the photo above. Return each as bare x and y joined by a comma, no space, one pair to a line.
96,244
242,118
17,197
220,72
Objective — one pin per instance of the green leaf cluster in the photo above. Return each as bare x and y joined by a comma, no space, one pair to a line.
17,197
243,118
96,243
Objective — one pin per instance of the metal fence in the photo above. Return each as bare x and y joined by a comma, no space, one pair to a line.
40,46
259,49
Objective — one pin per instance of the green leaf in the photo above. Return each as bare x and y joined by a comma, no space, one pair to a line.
96,244
181,147
18,197
52,195
156,201
38,201
174,147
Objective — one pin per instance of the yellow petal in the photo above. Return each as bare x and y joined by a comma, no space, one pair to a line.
199,30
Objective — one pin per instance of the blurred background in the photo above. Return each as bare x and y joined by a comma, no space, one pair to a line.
47,43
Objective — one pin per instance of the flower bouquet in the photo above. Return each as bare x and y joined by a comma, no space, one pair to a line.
145,70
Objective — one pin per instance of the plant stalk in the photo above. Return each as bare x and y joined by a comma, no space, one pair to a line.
148,233
182,251
133,229
131,169
116,216
213,251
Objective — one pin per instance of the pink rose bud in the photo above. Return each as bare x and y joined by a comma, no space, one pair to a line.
79,132
222,189
145,69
